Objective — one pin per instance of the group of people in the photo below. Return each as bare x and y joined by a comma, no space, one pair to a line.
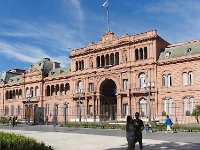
134,128
13,121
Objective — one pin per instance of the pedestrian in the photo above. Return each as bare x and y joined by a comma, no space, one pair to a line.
168,123
130,136
16,120
139,126
13,121
46,120
10,121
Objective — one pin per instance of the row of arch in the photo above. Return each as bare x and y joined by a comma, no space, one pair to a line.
108,59
79,65
12,94
57,89
141,53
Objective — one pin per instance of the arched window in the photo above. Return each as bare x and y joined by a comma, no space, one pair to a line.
82,65
79,65
142,78
117,58
67,87
143,107
31,91
136,54
169,80
57,89
48,91
52,90
76,65
37,92
163,80
112,59
62,89
98,61
141,53
188,105
145,52
190,78
185,78
102,61
168,105
79,87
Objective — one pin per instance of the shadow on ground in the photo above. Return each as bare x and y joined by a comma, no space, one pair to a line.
165,145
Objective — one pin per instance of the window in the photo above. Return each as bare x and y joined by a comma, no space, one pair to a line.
91,110
143,107
125,84
91,87
125,109
188,78
79,87
185,78
168,106
56,109
188,105
142,80
169,80
163,80
167,54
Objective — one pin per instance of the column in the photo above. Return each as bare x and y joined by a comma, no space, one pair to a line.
94,108
119,106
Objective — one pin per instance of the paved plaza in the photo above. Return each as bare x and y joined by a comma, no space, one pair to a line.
97,139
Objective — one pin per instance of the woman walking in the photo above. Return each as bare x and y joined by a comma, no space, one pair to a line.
130,136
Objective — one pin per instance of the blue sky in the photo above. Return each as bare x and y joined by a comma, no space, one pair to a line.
33,29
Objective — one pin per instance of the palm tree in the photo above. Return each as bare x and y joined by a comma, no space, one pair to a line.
196,112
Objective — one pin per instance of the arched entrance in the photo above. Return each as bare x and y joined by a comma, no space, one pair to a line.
108,100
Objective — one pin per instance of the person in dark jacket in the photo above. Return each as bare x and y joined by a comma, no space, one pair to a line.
139,126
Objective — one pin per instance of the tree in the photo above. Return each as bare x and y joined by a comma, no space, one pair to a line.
196,112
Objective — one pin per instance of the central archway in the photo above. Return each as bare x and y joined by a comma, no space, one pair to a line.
108,100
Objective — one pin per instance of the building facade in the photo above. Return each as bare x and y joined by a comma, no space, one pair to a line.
109,80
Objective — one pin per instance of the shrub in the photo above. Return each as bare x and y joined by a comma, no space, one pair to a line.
10,141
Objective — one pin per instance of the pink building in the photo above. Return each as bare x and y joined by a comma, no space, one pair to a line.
108,80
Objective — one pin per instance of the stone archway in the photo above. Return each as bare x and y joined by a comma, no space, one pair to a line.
108,100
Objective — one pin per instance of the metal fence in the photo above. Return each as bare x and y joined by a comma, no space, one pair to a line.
179,112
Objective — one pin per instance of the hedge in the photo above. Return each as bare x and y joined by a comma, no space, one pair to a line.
10,141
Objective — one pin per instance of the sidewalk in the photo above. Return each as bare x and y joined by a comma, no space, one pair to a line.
72,141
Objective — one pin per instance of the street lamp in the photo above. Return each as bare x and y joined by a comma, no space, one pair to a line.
149,86
66,112
28,106
79,104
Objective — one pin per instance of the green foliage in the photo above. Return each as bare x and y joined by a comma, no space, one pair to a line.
10,141
196,112
95,125
4,120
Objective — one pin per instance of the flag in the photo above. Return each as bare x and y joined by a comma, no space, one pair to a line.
105,4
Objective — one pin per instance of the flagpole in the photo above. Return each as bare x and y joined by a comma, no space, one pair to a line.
108,25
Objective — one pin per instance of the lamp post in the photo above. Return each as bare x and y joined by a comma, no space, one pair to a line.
28,108
149,86
66,112
79,104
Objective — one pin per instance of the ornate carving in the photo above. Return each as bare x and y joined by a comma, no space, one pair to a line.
90,63
124,56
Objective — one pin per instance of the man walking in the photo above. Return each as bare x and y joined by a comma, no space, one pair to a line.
139,126
168,123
